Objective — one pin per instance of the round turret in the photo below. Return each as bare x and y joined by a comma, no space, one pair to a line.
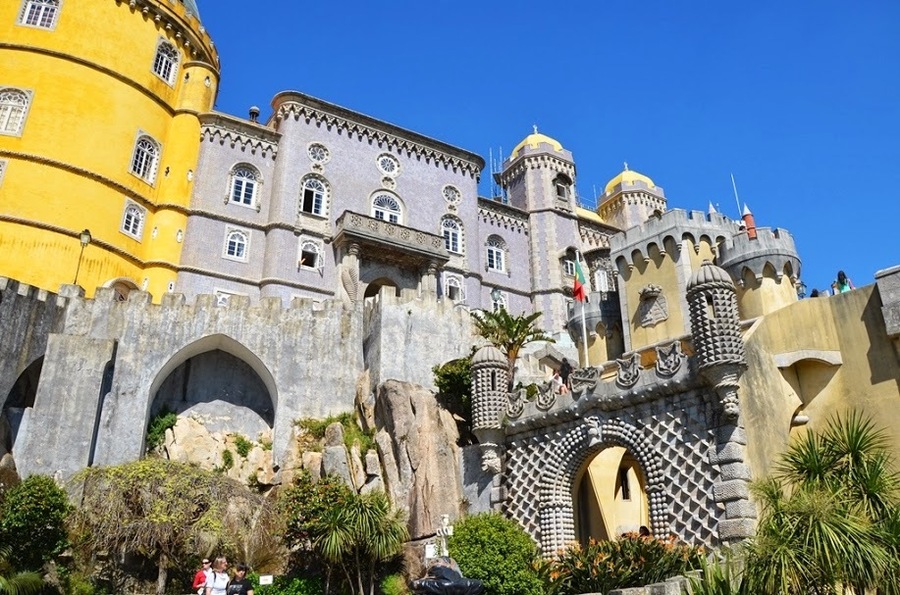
490,382
715,324
534,140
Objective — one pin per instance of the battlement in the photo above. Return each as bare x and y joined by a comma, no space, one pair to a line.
671,228
773,248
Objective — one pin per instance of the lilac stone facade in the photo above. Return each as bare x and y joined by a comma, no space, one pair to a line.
326,203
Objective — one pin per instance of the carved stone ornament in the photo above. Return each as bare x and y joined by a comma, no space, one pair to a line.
516,404
653,308
669,359
350,280
629,371
584,379
546,396
594,434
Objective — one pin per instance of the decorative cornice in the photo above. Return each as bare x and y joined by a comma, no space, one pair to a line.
593,235
538,161
491,211
172,16
299,105
250,136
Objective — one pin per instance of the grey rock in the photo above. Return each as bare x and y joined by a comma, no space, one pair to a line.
334,462
334,435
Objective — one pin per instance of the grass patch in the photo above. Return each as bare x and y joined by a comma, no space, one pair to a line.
164,419
242,445
352,432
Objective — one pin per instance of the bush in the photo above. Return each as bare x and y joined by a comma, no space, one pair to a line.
303,503
495,550
227,460
164,419
454,384
352,432
242,445
394,584
32,522
630,561
289,585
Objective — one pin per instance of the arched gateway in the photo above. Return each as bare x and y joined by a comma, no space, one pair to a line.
679,420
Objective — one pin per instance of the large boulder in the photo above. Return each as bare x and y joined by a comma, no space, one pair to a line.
416,439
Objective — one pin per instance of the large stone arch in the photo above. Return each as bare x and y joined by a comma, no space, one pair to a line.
556,508
18,402
207,346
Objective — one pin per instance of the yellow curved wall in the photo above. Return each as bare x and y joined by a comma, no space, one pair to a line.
69,169
757,297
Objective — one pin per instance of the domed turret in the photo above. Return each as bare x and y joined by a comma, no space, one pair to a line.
630,177
629,199
490,402
534,141
716,331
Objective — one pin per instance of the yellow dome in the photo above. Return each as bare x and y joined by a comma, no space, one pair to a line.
630,177
534,140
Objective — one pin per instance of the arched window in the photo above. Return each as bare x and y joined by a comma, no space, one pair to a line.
133,220
453,289
165,63
386,208
315,192
236,244
243,185
145,159
13,106
39,13
568,263
310,256
496,254
563,186
452,231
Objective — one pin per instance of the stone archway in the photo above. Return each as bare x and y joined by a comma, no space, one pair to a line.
556,508
610,496
221,384
375,286
20,399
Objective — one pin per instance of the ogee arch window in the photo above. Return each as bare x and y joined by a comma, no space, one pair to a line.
165,63
13,107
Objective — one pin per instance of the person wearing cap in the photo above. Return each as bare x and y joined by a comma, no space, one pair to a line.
240,584
201,577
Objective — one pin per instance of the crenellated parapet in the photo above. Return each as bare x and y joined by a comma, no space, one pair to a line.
772,249
292,104
670,230
245,136
184,24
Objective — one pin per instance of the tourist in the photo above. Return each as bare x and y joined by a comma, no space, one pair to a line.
557,384
644,531
565,369
240,584
814,293
218,580
202,577
842,284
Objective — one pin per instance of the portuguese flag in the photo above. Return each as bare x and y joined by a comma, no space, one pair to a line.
581,285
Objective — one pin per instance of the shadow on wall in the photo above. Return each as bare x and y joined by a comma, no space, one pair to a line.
219,390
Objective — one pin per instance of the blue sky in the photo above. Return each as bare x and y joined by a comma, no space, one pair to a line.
800,100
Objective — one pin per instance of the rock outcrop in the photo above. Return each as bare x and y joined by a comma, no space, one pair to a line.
417,442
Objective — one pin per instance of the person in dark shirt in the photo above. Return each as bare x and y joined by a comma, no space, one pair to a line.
240,584
565,368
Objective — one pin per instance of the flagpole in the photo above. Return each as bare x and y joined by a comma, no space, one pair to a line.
584,336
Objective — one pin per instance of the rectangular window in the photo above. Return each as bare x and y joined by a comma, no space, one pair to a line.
495,259
626,487
453,292
2,170
569,267
309,258
39,13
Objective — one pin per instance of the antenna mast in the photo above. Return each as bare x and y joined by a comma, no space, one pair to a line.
736,199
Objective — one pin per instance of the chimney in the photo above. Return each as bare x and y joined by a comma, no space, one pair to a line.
254,113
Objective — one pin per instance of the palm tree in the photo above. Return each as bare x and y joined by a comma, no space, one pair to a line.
359,535
829,515
509,333
21,583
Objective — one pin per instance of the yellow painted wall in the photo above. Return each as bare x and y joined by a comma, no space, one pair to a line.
850,324
757,297
599,498
69,169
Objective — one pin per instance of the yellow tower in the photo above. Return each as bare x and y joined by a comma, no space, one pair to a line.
99,131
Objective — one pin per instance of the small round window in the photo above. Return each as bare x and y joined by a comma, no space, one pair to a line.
388,164
452,194
318,153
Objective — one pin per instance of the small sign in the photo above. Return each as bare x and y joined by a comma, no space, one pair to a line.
265,579
430,551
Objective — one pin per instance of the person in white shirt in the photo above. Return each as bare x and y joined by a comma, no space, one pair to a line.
218,580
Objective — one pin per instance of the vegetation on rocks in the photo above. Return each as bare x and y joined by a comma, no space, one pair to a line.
165,419
353,433
32,522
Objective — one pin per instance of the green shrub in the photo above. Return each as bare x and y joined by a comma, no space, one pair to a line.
242,445
227,460
164,419
289,585
630,561
493,549
304,502
394,584
453,381
352,432
32,522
